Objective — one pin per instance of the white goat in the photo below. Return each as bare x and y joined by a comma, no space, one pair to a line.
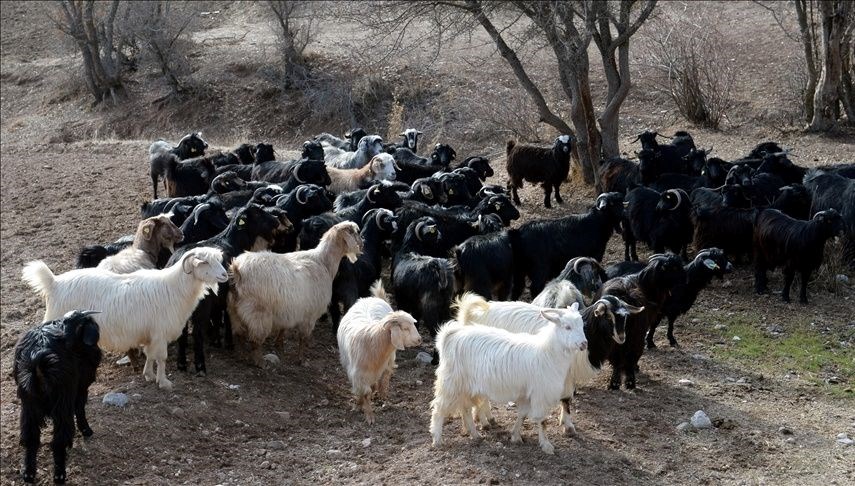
380,168
520,317
368,336
559,294
279,292
145,308
411,139
478,363
368,147
153,234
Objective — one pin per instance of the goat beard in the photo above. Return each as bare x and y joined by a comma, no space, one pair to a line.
351,257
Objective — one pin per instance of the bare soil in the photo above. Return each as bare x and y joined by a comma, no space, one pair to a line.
68,181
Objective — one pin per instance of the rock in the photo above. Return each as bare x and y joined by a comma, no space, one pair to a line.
234,387
842,435
686,382
177,411
700,420
790,440
366,442
419,383
719,327
684,427
116,399
737,338
695,320
841,279
785,430
265,465
833,380
123,360
424,358
845,442
333,451
276,445
272,359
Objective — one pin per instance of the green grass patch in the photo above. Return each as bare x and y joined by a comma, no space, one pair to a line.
812,355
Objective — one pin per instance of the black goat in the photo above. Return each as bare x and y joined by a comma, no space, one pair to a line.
658,159
428,190
456,186
485,265
411,139
543,247
54,365
585,273
845,170
455,227
423,285
190,177
548,166
795,245
832,190
381,195
248,227
160,153
480,164
707,264
661,220
624,268
647,289
619,175
299,205
207,220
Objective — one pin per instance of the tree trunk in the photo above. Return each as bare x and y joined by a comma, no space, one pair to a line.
847,56
827,95
810,57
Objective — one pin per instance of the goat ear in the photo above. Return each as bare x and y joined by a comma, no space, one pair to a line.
600,309
148,229
633,309
91,333
551,315
711,264
574,306
397,335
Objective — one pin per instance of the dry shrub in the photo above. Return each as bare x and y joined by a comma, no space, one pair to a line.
695,71
835,262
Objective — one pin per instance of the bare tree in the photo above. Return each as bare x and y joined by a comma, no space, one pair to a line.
567,29
92,26
295,29
161,28
694,62
826,29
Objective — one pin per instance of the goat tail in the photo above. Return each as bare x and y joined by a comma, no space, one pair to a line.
470,306
37,275
157,148
378,291
32,378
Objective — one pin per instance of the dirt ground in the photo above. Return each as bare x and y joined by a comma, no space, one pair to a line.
294,425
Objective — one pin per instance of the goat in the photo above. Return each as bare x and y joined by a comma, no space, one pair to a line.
707,264
549,166
272,292
423,285
160,153
581,278
543,247
485,265
618,175
380,167
54,365
368,147
479,362
368,337
647,289
153,235
411,139
661,220
834,190
795,245
145,308
190,177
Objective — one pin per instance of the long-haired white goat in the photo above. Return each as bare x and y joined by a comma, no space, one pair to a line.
278,292
153,234
368,336
145,308
478,363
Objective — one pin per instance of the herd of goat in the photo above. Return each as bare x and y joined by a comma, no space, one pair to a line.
250,246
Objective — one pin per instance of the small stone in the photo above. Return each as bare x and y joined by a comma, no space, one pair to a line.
785,430
686,382
790,440
419,383
424,358
843,279
325,402
276,445
845,442
272,359
284,415
684,427
741,380
116,399
695,320
737,338
333,451
366,442
719,327
843,435
265,465
234,387
700,420
123,361
833,380
177,411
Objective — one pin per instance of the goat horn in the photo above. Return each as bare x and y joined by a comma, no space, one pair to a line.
709,150
199,209
679,198
301,189
635,139
377,218
419,230
297,174
656,256
368,195
576,265
89,312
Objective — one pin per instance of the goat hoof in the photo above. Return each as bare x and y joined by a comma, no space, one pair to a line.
614,386
651,345
86,432
674,343
803,301
516,439
548,448
181,366
59,478
630,385
569,430
29,477
201,373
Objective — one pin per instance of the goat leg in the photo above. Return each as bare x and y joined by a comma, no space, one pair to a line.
80,413
671,339
805,277
547,195
63,434
558,194
30,439
181,357
789,275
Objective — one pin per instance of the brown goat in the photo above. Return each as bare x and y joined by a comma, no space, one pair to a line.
153,235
